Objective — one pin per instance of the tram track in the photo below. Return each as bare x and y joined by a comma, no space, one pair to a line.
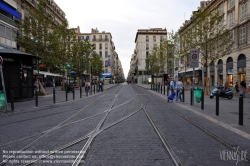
45,133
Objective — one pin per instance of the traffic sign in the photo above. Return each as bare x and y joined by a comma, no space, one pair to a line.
194,58
1,60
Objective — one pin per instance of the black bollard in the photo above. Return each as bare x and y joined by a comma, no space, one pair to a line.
217,104
202,99
155,87
12,100
91,89
183,94
36,98
94,88
74,93
54,95
66,90
97,88
164,89
80,91
151,86
191,96
240,110
161,89
87,89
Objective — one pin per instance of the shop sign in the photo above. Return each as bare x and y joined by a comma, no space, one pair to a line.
230,71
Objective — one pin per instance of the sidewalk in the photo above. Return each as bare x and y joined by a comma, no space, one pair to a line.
47,100
228,110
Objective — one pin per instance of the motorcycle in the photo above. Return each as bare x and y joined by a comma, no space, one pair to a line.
222,93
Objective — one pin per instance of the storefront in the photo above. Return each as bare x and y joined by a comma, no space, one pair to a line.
229,68
220,71
18,74
241,66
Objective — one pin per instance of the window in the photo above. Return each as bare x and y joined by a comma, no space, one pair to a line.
100,53
242,35
231,18
106,37
147,46
87,37
100,37
2,31
106,63
8,33
94,38
154,38
231,37
94,46
161,38
82,37
147,39
106,46
231,4
106,70
221,9
106,54
100,46
244,10
155,45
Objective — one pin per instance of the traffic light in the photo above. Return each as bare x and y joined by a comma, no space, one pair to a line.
68,64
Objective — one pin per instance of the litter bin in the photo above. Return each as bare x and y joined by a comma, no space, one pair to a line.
2,100
197,94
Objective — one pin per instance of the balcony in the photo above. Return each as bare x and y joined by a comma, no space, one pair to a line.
7,20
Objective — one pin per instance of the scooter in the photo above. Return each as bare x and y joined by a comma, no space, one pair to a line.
222,93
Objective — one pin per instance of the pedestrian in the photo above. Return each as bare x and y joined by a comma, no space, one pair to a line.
236,87
179,88
86,86
243,86
101,86
36,87
172,86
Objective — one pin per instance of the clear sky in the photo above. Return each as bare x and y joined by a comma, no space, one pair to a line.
122,18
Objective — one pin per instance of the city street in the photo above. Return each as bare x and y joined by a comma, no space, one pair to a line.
127,124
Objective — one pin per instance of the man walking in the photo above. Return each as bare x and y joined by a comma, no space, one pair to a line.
179,87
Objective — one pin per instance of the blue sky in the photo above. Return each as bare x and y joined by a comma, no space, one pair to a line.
122,18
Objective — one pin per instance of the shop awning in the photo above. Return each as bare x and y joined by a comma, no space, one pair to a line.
108,75
9,9
47,73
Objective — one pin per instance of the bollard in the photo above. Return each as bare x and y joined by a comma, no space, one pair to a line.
74,93
151,86
240,110
94,88
90,88
156,88
183,94
12,100
86,89
164,89
80,91
161,89
217,104
66,90
191,98
54,95
36,99
202,99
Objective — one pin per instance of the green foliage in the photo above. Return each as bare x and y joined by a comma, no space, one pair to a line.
97,64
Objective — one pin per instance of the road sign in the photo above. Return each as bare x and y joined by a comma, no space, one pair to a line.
1,60
194,58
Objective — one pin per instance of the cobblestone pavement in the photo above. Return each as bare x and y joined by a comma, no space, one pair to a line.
124,125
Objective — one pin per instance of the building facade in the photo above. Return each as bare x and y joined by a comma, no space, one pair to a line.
235,66
145,40
8,23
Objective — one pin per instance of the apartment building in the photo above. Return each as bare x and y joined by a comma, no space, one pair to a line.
8,27
235,66
104,46
145,40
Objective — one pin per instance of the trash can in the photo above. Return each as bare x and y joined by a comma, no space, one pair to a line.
2,100
197,94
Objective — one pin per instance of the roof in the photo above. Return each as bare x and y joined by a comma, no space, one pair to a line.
14,51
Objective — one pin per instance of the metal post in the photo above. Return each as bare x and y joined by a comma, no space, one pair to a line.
156,87
73,93
202,99
12,100
94,88
191,98
81,91
164,89
66,90
91,88
36,98
167,90
240,110
54,95
161,89
151,85
217,104
183,94
86,89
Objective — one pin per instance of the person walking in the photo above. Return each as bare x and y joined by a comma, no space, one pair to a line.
243,86
236,87
179,87
172,86
86,87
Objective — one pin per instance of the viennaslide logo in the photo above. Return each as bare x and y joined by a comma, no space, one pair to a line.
234,155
